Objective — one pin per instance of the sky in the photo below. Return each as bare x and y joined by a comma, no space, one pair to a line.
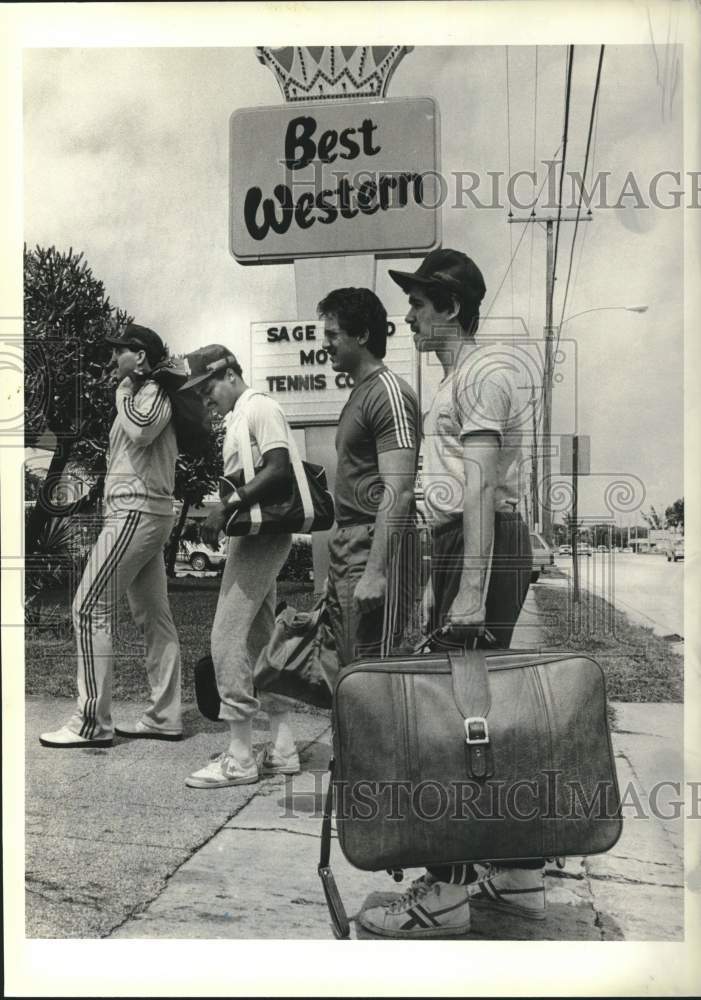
126,157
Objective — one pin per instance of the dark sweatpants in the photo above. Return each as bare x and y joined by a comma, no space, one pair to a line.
512,562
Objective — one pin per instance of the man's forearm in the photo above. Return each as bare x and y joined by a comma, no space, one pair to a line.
267,484
480,461
478,531
387,521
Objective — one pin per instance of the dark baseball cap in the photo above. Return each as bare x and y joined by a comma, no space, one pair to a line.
450,269
207,361
140,338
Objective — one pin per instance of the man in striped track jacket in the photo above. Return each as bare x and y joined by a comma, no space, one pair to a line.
377,440
128,557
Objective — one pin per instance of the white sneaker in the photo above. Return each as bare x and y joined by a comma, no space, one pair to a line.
271,762
140,731
223,771
520,891
427,909
64,738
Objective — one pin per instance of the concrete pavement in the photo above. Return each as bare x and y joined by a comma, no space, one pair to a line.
118,847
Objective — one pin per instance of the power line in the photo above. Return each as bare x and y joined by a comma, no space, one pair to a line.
583,241
513,256
535,132
508,147
506,274
565,132
581,193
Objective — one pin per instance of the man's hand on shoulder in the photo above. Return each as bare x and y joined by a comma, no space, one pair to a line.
370,591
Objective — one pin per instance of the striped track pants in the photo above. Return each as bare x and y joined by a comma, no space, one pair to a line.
375,633
126,559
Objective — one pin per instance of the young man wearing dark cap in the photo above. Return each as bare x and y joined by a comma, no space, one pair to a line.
368,593
128,556
481,555
245,615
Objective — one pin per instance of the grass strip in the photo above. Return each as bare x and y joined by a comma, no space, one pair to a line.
639,666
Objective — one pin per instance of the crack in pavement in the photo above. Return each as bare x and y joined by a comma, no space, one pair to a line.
623,880
139,908
659,864
598,922
56,896
273,829
635,732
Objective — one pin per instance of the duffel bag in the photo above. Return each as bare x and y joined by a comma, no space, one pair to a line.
300,660
469,756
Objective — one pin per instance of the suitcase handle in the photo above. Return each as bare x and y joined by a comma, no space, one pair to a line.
466,637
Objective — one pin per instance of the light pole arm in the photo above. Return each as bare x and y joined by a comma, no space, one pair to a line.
635,309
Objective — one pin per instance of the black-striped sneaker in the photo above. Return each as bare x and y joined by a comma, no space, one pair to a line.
427,909
520,891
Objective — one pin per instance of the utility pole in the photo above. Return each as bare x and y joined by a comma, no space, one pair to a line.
535,508
574,537
548,333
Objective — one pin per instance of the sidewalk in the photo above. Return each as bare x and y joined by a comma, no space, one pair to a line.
118,847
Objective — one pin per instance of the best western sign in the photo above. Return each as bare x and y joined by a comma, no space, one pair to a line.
288,361
334,177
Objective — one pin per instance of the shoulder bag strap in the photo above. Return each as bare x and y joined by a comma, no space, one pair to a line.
297,468
246,452
302,484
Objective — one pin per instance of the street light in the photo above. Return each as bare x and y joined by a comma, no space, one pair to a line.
547,403
631,309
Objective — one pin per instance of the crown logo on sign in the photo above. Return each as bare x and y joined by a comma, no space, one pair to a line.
332,72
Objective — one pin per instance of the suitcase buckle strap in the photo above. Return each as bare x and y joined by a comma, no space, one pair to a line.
476,730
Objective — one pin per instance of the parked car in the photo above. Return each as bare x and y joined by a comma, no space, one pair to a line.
602,548
583,549
565,550
201,556
543,555
676,550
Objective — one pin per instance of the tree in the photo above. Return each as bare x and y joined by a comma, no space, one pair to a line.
66,318
32,484
652,519
674,515
195,479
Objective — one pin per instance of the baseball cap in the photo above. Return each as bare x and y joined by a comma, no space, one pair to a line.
450,269
141,338
206,361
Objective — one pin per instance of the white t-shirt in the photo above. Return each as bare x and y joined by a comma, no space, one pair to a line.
481,394
261,417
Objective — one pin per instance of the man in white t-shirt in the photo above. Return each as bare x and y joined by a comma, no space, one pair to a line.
480,554
245,614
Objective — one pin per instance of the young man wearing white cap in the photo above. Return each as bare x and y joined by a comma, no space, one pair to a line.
245,615
128,557
481,555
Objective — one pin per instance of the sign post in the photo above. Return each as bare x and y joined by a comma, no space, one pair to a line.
575,460
330,181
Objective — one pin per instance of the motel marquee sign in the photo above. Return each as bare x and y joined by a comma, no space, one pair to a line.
334,177
289,363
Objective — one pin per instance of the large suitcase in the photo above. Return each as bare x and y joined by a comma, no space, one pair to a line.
469,756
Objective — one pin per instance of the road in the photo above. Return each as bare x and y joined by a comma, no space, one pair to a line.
647,587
